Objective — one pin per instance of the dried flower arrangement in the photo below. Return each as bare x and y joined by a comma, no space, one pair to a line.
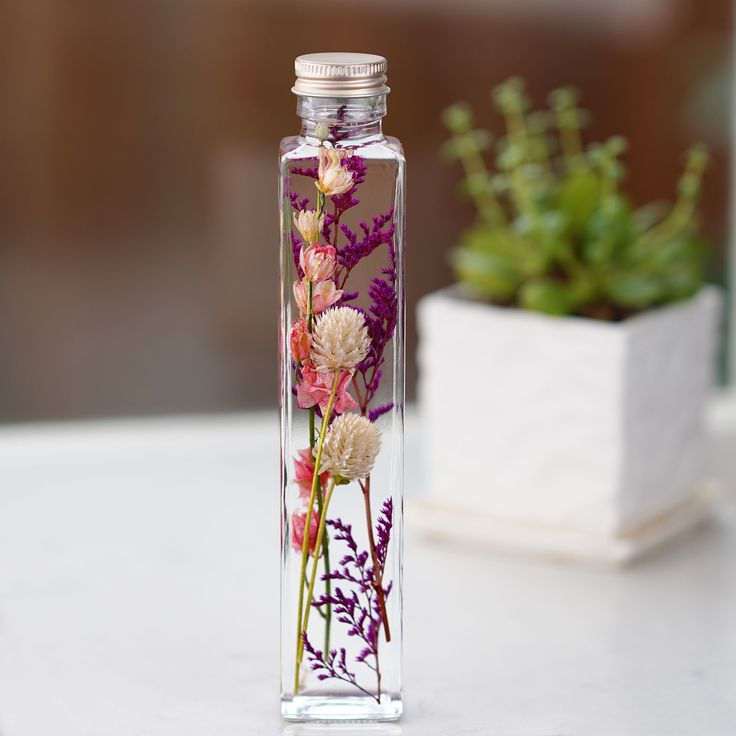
555,233
337,353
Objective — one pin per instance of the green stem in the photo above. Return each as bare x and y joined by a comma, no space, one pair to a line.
328,582
326,556
310,312
310,592
316,492
309,327
475,171
516,126
310,319
572,148
571,141
683,211
307,523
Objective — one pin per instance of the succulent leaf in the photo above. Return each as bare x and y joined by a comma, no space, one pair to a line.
556,234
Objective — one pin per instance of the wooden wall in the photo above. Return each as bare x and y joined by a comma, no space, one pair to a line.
138,139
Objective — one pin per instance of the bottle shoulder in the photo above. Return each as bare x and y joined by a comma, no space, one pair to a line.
293,148
395,145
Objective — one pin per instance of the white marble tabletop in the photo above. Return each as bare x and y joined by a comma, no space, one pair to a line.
139,597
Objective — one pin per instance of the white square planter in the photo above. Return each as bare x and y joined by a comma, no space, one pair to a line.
565,435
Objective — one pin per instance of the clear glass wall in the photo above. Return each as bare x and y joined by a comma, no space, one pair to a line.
342,410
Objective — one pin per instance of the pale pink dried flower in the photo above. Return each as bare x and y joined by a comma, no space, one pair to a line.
318,262
308,224
324,294
333,177
304,473
300,340
298,522
315,387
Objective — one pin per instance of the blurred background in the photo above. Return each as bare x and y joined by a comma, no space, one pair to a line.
138,225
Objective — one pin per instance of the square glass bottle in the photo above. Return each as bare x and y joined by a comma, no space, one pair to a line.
341,193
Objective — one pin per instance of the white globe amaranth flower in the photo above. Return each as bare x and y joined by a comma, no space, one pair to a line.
350,448
339,339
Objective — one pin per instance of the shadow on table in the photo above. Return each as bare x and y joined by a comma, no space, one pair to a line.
342,729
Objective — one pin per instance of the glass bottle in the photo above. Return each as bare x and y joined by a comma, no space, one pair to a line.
341,194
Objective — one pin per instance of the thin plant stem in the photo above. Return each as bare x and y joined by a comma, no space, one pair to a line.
326,554
475,170
322,615
310,318
336,224
307,523
320,205
328,589
377,573
327,615
318,544
572,145
310,311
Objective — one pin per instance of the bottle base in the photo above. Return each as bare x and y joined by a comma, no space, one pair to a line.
341,708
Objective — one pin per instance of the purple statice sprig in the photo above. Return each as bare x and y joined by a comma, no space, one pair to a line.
355,603
338,132
384,525
379,411
380,318
349,296
311,172
332,666
298,204
360,245
296,249
357,166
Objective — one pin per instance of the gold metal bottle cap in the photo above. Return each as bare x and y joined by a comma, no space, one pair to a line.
340,75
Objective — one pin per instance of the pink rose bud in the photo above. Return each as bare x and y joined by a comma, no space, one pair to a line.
324,294
298,522
318,262
300,340
304,473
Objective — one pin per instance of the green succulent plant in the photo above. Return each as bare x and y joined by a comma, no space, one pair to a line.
555,232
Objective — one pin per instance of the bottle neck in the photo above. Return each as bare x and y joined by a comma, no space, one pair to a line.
341,120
